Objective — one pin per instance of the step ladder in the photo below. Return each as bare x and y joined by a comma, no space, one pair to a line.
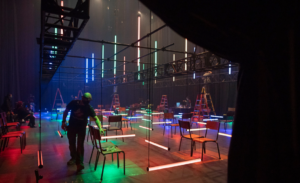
164,101
203,106
115,102
79,92
61,100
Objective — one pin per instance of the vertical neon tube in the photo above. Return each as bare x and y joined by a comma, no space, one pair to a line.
61,30
86,70
92,66
229,70
173,60
102,61
115,57
124,66
194,75
185,49
155,56
138,54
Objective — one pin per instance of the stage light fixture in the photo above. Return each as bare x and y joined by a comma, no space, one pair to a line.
173,165
117,136
163,147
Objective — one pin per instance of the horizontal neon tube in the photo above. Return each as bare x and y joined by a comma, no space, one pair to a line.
210,119
224,134
61,136
173,165
146,127
213,116
107,111
201,123
196,129
124,114
134,117
155,123
157,113
102,126
147,115
117,136
146,119
163,147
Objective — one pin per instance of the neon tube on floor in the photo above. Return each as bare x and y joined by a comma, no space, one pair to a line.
156,123
40,162
117,136
163,147
61,136
202,123
196,129
173,165
146,128
224,134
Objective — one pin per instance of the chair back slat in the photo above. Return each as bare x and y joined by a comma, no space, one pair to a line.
184,124
213,125
97,138
187,115
168,115
115,118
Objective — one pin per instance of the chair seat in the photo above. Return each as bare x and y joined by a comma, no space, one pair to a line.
13,124
106,144
124,119
193,136
174,125
110,152
12,135
113,128
203,140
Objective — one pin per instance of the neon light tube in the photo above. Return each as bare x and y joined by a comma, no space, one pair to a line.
196,129
173,165
86,70
210,119
117,136
224,134
155,57
92,66
146,128
201,123
194,75
61,30
157,113
185,49
146,119
134,117
229,69
163,147
40,162
157,123
102,61
61,136
213,116
138,50
115,57
124,67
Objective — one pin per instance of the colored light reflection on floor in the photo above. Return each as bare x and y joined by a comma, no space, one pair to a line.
173,165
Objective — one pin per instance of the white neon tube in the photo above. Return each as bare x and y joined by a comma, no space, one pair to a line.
210,119
93,66
86,70
115,57
146,127
61,30
102,61
224,134
117,136
157,123
201,123
185,49
196,129
173,165
163,147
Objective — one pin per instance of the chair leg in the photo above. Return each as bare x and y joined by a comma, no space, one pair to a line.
171,131
103,168
218,150
204,148
122,134
87,137
180,143
91,155
192,143
118,160
164,129
124,161
97,158
202,151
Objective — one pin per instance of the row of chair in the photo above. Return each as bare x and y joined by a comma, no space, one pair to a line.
5,135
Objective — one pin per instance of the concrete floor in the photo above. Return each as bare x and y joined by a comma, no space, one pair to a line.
19,168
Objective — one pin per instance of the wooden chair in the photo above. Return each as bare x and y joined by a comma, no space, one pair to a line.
211,125
102,148
118,124
169,116
11,124
100,117
185,126
188,116
126,120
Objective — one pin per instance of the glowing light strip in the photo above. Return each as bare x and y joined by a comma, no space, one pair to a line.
155,56
134,117
61,30
210,119
194,75
196,129
92,66
224,134
146,119
201,123
173,165
117,136
86,70
157,123
157,113
214,116
173,60
107,111
229,69
102,61
115,57
163,147
185,49
40,163
61,136
124,67
146,127
138,50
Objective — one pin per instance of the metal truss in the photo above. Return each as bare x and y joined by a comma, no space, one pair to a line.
201,62
60,28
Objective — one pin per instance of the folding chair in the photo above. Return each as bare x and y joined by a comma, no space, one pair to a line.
211,125
118,124
103,148
11,124
170,116
185,125
189,117
125,120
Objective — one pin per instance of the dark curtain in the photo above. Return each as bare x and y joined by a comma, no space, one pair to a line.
19,61
263,36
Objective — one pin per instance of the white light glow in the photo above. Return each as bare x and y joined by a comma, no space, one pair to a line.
139,33
194,75
229,69
173,165
59,134
157,123
224,134
102,61
213,116
210,119
115,57
202,123
185,49
61,30
124,66
163,147
196,129
86,70
93,66
117,136
155,55
146,127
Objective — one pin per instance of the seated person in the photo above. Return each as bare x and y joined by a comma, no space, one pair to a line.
23,113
